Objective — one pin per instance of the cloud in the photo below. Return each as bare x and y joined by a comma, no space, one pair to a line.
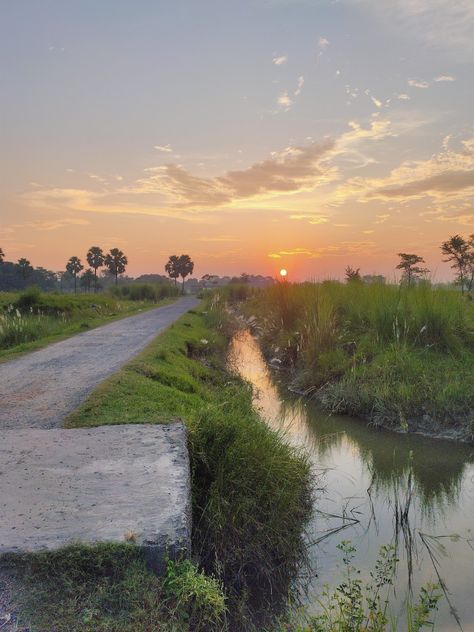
311,218
284,100
416,83
297,92
165,148
335,250
376,102
323,43
97,178
172,190
56,224
280,60
403,97
291,170
444,78
444,178
442,24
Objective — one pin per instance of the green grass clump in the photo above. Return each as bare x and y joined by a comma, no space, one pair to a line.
250,488
384,352
106,587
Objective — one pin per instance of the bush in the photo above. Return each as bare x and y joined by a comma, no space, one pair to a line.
28,299
145,291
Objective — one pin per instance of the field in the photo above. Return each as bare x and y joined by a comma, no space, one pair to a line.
399,357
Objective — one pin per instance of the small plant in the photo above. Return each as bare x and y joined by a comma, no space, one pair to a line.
193,596
358,606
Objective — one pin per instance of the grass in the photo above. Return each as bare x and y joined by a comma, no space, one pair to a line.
107,588
31,319
250,489
390,354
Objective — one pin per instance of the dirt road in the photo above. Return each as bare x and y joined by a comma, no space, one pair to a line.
40,389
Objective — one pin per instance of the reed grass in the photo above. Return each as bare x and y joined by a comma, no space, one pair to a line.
388,353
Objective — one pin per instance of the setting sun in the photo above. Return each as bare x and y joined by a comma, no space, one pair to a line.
283,272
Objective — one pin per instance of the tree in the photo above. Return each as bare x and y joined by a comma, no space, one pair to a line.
352,275
2,255
470,267
185,266
458,251
74,266
171,267
96,259
87,279
411,271
24,267
116,263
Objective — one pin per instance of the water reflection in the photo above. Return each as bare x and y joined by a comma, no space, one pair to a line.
380,487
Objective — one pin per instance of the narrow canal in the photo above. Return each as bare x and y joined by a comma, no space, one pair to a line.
376,487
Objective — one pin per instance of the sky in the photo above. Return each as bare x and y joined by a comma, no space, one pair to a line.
251,134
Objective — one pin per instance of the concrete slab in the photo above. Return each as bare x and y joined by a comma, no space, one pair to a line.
96,485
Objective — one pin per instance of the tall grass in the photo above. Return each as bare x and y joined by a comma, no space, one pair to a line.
385,352
32,315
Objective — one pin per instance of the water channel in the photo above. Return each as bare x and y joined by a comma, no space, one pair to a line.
377,487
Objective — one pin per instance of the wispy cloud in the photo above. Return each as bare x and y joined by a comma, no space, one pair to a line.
280,60
165,148
284,100
444,78
418,83
297,92
443,24
335,250
446,178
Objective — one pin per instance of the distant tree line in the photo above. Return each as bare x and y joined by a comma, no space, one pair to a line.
457,250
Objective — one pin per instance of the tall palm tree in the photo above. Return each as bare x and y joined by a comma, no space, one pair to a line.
172,267
25,267
185,266
96,259
116,262
74,266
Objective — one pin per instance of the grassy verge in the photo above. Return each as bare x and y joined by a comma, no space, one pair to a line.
398,357
107,588
31,320
250,490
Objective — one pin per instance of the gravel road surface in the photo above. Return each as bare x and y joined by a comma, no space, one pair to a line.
40,389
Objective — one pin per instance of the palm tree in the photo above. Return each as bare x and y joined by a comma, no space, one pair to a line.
116,262
2,255
96,259
25,267
172,267
74,266
184,267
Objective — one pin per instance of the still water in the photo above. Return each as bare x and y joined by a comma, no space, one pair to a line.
365,480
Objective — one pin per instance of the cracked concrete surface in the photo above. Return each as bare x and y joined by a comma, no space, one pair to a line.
105,484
